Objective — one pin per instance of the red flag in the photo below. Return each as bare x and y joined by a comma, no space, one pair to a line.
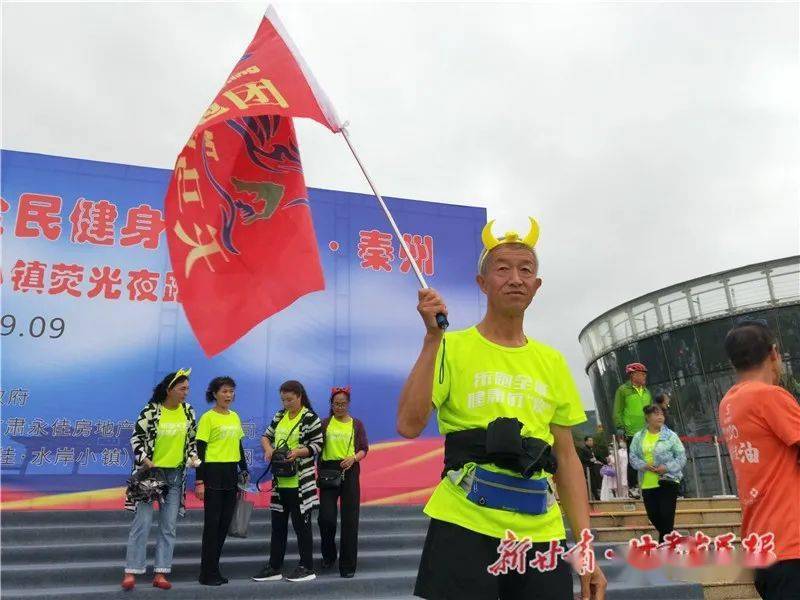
239,229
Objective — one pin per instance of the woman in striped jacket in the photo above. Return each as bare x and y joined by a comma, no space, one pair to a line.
291,442
163,443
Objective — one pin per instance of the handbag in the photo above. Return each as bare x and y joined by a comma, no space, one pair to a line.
331,478
241,516
279,466
328,479
608,471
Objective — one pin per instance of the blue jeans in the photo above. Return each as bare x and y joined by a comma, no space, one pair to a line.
136,556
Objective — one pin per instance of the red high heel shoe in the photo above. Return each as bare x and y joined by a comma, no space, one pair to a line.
161,582
128,582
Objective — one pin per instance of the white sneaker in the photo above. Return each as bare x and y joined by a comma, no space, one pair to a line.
268,574
301,574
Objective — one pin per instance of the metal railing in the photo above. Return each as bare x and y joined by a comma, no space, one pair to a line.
762,285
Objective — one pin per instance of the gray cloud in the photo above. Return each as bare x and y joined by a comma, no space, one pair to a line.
655,142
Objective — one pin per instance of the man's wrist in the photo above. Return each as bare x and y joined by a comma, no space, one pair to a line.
433,338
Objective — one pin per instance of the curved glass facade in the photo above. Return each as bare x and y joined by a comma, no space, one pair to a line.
678,333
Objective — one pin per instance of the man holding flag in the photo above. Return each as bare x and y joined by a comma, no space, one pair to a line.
506,404
242,247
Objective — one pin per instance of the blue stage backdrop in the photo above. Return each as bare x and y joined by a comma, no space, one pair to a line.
91,319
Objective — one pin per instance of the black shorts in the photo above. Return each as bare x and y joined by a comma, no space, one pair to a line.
454,562
780,581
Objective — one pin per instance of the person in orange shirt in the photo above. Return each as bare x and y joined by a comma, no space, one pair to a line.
761,425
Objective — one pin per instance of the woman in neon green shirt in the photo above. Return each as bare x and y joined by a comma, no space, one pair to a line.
658,455
219,445
163,441
345,447
295,427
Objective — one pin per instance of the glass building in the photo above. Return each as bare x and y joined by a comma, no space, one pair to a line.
678,333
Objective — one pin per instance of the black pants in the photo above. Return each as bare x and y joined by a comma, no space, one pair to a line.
350,494
780,581
633,474
660,505
595,480
454,562
217,515
301,523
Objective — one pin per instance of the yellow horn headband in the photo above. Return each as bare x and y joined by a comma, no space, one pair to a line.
180,372
511,237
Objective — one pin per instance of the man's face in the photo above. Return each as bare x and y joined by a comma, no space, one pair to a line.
509,279
589,442
638,378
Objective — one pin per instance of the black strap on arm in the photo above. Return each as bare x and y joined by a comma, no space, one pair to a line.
242,458
200,471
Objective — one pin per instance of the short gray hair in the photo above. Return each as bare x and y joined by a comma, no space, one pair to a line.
485,255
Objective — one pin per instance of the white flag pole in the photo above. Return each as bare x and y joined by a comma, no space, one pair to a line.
440,318
414,265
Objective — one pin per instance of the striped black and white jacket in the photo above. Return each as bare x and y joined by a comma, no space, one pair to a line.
143,443
310,437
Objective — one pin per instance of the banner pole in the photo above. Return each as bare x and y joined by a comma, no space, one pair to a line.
388,214
441,320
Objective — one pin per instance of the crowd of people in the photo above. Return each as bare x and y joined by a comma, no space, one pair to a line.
611,474
315,463
760,423
647,459
505,404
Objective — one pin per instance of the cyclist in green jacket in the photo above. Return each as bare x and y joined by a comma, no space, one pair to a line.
629,403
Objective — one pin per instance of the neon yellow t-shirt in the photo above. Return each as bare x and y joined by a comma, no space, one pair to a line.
293,441
483,381
339,440
650,479
222,434
170,438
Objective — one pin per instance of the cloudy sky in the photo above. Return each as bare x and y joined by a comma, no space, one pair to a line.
655,142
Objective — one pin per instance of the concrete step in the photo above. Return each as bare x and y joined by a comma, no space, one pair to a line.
682,517
186,568
388,583
394,584
624,534
79,556
730,591
370,562
259,527
94,517
185,546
